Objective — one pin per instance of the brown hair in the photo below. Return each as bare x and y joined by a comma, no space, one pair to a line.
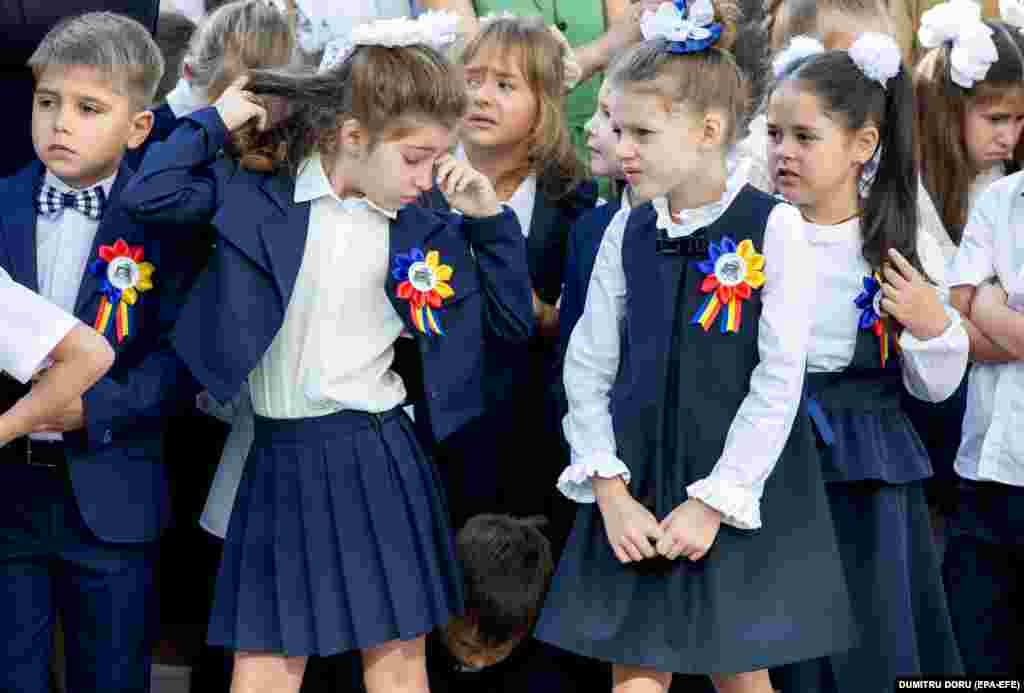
236,37
117,45
688,78
385,89
541,58
942,105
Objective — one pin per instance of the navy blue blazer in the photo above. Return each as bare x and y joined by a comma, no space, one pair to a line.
115,464
238,303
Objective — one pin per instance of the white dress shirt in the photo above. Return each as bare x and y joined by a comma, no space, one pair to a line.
185,99
763,422
992,446
522,202
31,327
932,369
336,345
63,245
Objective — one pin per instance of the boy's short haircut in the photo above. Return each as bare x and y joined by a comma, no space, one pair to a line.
113,43
507,568
173,33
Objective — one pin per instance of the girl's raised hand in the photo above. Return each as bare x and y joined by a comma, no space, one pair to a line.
631,528
237,106
467,189
689,530
909,298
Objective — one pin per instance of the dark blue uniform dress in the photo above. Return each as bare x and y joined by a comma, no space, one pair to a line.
874,465
760,598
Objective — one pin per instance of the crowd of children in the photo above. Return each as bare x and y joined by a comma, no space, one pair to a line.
752,423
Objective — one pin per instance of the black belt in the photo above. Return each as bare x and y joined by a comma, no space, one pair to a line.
37,453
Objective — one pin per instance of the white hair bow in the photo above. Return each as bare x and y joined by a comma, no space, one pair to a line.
877,55
973,50
799,47
435,29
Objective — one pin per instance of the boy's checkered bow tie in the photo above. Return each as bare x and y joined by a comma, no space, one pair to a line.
51,201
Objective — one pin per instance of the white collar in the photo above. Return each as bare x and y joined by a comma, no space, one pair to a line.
184,99
693,219
312,183
61,186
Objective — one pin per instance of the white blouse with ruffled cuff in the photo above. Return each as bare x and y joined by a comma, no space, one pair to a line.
762,423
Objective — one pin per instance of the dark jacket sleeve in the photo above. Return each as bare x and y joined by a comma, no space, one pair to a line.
497,244
180,179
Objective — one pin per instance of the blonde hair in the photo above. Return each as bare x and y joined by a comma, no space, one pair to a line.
236,37
387,90
705,80
117,45
541,58
946,169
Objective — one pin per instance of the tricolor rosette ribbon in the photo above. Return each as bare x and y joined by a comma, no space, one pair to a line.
870,303
423,282
732,273
124,276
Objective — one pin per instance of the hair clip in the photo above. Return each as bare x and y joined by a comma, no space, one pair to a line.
435,29
797,49
688,30
494,17
959,23
877,55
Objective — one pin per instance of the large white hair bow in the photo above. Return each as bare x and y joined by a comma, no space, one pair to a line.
436,29
973,50
688,27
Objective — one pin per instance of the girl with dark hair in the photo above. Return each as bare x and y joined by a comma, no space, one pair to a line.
841,149
690,553
339,537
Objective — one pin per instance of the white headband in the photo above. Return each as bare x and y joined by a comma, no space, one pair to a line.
435,29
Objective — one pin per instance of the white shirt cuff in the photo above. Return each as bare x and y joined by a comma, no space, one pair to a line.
937,365
740,507
575,481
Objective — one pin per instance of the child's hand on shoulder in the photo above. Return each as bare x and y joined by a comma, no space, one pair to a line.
236,106
689,530
467,189
631,528
987,296
911,300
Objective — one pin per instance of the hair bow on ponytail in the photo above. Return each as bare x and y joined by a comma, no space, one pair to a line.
958,22
877,55
797,49
687,29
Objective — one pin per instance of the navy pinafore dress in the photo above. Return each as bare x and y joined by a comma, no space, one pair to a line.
874,466
759,598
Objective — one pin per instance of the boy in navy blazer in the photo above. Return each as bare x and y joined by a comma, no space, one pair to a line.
83,500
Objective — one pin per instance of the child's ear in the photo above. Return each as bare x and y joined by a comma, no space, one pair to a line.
352,137
714,126
141,125
865,141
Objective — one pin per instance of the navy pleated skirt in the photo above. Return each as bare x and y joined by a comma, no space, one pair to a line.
892,570
339,539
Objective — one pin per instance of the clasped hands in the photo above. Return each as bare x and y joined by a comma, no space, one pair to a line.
636,534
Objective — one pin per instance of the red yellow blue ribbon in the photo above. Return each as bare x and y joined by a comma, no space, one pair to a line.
732,273
869,301
423,282
124,276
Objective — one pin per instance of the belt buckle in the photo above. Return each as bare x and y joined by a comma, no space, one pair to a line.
28,457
